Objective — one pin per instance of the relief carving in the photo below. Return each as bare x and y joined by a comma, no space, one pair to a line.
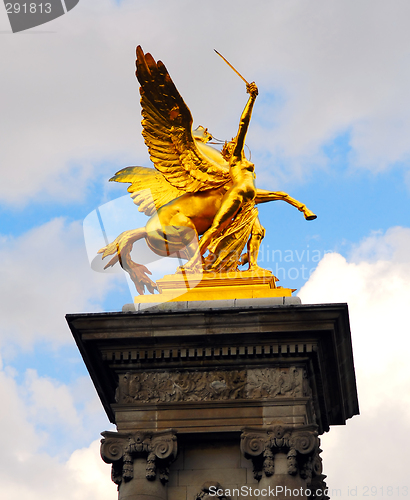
174,386
292,462
120,449
307,391
268,463
271,382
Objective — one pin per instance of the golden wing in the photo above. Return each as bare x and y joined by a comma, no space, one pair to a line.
149,189
167,130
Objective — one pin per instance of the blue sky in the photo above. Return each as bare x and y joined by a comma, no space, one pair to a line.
331,127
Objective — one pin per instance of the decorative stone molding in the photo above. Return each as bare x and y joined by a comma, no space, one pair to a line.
175,386
301,445
151,355
120,450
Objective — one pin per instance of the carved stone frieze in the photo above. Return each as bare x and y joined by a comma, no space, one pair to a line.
272,382
175,386
301,445
120,449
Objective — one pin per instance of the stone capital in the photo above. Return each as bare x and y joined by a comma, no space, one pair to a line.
300,444
120,449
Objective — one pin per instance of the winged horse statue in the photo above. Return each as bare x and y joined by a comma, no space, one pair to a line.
199,200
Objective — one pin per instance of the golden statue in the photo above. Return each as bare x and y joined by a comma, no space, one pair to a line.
194,190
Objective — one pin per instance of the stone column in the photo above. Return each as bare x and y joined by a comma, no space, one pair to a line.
286,459
140,462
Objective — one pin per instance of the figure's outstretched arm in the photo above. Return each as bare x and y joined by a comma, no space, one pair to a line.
263,196
251,89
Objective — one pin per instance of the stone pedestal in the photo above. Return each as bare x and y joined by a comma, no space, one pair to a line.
219,399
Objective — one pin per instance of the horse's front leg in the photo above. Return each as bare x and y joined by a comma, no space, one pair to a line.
121,248
263,196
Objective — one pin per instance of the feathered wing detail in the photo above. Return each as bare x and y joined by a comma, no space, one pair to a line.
149,190
167,130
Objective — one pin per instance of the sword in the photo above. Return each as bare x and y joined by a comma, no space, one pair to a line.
230,65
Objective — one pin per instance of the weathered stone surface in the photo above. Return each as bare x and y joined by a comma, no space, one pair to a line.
211,455
285,457
277,375
211,345
177,493
217,385
121,450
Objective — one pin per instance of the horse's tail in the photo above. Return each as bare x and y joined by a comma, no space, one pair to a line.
121,247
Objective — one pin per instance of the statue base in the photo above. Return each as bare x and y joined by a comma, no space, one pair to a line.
216,286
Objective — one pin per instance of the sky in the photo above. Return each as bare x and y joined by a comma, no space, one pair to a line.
331,127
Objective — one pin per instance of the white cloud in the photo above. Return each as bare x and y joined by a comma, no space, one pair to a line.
369,452
375,282
26,469
45,274
68,415
71,101
83,477
93,476
50,402
14,419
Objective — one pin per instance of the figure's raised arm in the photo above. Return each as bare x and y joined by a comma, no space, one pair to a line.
251,89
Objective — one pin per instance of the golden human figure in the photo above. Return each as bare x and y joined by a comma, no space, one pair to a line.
194,190
242,190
